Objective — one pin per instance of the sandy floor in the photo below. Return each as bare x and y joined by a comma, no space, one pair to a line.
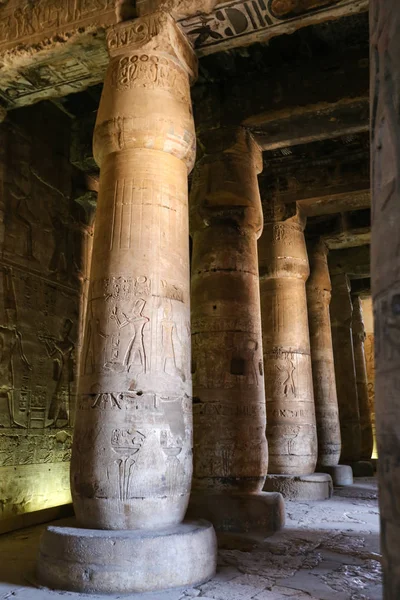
328,551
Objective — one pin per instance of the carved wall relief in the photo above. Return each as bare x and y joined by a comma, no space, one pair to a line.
238,19
42,271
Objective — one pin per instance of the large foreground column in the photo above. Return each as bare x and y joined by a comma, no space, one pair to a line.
230,447
358,330
341,315
326,405
291,429
132,453
385,265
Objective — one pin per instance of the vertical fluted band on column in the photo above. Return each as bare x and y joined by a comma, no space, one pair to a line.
132,453
341,316
358,331
323,368
230,447
284,269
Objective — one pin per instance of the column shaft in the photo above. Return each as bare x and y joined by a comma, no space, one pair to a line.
229,408
325,396
132,453
341,315
284,269
385,271
358,330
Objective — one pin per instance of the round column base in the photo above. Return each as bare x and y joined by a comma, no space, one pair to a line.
93,561
362,468
254,515
342,475
317,486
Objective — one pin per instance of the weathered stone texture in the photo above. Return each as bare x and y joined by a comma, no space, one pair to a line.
341,314
45,241
358,331
132,453
323,368
284,269
370,362
229,409
50,48
385,142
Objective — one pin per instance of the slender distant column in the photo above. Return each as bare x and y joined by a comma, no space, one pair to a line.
230,447
131,462
358,330
370,362
385,272
325,396
341,315
284,269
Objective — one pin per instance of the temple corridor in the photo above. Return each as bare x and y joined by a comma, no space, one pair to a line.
327,551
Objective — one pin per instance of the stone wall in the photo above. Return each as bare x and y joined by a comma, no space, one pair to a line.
45,240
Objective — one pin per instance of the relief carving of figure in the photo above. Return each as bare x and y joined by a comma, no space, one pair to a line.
135,355
62,352
168,329
21,190
287,383
12,355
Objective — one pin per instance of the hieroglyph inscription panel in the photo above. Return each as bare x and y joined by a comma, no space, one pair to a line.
43,269
69,42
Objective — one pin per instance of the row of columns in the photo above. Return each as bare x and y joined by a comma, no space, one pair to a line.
131,471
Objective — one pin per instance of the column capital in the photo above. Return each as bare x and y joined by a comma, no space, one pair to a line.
146,101
319,281
225,185
341,305
154,33
358,320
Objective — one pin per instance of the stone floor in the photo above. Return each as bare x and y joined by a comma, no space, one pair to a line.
328,551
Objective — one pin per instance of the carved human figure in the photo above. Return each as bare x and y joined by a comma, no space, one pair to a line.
62,353
21,189
284,270
167,332
13,359
135,356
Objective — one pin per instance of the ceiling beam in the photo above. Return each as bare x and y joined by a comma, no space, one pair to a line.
355,262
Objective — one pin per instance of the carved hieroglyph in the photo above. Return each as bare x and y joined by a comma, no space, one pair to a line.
385,263
284,269
358,331
230,448
323,368
43,269
341,315
51,48
132,453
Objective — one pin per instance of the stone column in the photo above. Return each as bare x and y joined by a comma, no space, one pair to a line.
370,362
132,453
325,396
358,330
341,316
385,271
291,429
230,447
